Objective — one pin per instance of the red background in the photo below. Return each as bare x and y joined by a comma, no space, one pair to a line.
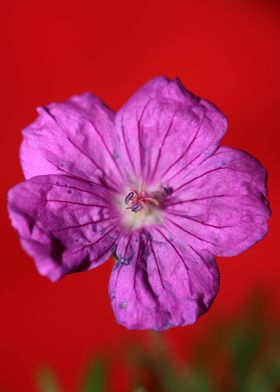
226,51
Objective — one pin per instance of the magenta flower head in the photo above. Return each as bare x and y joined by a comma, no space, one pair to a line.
150,186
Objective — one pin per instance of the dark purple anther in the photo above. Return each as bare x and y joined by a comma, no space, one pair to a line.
129,197
168,190
136,208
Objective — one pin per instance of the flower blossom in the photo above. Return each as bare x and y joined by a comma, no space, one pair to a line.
149,185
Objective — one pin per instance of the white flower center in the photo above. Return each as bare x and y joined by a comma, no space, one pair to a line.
142,208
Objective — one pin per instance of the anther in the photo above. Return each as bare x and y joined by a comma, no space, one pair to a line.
136,208
129,197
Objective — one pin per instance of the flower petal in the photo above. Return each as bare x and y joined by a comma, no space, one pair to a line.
222,204
65,224
74,137
163,128
158,282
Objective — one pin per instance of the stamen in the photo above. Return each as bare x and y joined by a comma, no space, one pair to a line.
129,197
151,200
136,208
168,190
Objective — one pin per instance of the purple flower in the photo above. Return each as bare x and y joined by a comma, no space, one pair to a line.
149,185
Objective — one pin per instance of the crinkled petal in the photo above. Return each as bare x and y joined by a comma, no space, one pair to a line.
65,224
163,128
75,137
221,206
160,282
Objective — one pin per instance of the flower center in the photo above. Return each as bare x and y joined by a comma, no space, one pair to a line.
140,200
142,207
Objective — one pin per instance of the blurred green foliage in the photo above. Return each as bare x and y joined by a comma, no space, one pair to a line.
238,355
47,381
95,377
